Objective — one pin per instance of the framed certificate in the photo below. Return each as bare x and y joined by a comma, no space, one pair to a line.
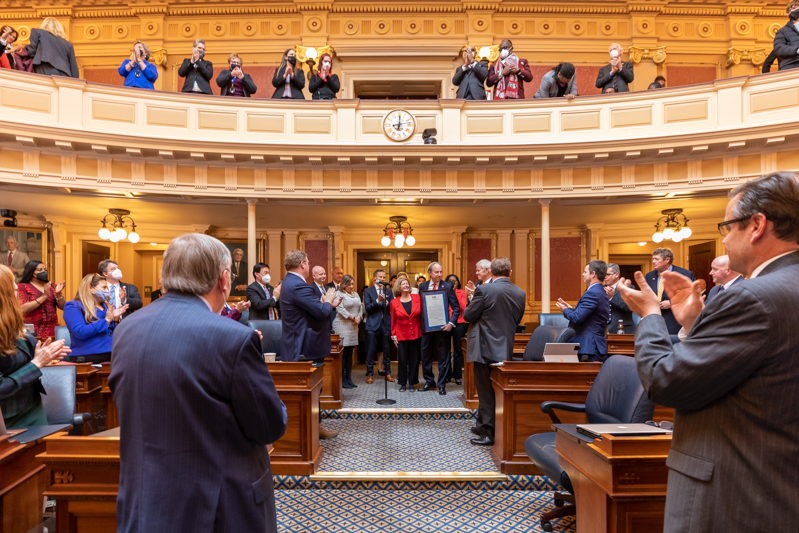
435,310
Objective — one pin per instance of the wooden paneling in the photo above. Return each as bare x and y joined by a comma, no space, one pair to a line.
27,100
22,483
484,125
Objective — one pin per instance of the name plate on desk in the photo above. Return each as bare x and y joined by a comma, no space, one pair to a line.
435,309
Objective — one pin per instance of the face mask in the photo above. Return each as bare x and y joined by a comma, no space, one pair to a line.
326,64
614,54
504,53
102,296
266,278
234,66
42,276
292,60
794,15
117,274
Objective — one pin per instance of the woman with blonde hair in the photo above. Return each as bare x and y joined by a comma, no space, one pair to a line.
349,315
21,359
52,54
91,319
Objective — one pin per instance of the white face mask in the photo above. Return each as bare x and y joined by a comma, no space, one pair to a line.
117,274
504,53
614,54
326,64
266,278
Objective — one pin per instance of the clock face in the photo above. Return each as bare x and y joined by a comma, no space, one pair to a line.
399,125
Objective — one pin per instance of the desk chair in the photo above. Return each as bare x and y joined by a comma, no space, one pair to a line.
534,351
272,330
616,397
552,319
59,402
62,332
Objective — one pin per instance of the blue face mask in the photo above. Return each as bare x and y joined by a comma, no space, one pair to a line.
102,296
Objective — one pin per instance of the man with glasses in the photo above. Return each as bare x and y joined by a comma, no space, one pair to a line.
662,261
734,381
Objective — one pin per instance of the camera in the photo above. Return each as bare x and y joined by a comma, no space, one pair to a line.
428,136
9,213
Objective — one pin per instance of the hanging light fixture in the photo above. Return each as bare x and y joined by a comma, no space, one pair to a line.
675,226
398,230
117,222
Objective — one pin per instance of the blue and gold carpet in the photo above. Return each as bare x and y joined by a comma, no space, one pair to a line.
365,396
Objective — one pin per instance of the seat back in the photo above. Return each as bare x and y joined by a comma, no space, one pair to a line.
552,319
272,330
534,351
62,332
636,320
59,402
617,396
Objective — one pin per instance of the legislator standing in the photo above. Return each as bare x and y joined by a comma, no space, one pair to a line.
436,343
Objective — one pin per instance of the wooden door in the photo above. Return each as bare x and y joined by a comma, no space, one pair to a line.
93,254
699,258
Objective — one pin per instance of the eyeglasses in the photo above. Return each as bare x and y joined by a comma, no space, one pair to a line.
724,227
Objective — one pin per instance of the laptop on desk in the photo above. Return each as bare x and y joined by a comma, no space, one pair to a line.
564,352
627,430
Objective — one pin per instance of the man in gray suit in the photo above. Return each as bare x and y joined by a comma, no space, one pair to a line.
734,381
493,314
13,258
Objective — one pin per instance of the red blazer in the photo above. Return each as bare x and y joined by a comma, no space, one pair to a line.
463,301
404,327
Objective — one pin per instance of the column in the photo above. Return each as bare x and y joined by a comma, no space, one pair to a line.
520,260
338,250
503,242
252,249
545,307
457,247
274,257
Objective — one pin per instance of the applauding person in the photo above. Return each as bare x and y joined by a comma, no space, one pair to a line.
196,70
470,77
406,332
289,81
91,320
137,71
40,299
349,315
233,81
616,76
324,85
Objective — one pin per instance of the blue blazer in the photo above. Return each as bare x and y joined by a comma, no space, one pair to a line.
197,407
717,289
306,321
672,325
452,298
378,316
87,338
589,319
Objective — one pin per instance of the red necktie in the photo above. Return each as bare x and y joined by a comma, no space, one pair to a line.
434,286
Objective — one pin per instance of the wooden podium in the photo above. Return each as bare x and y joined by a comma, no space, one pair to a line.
619,482
621,344
469,396
333,375
111,419
520,388
22,482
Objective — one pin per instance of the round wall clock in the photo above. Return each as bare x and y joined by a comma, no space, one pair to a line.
399,125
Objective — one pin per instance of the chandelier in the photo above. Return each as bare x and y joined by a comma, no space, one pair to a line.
117,223
674,229
400,231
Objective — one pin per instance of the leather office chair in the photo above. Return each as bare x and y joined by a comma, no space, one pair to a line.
534,351
272,331
616,397
552,319
636,320
59,402
62,332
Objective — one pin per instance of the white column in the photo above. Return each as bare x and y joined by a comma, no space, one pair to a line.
275,257
545,282
503,243
252,249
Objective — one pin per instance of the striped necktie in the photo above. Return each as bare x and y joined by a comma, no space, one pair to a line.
660,287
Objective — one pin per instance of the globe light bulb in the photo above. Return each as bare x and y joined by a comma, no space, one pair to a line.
133,237
114,237
399,241
385,241
121,233
411,240
677,237
686,232
657,237
485,52
311,53
668,233
104,233
641,243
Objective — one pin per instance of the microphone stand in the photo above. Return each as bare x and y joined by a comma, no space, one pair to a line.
386,400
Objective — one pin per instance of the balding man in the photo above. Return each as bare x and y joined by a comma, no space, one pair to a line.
435,344
723,276
616,75
319,277
13,258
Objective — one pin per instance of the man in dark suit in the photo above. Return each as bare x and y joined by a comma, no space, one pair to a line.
617,74
377,303
734,381
196,403
663,261
239,272
197,71
493,314
262,296
121,293
470,78
589,319
619,311
723,276
318,284
306,317
437,343
338,273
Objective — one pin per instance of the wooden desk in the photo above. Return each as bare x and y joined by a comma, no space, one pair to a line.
298,453
619,482
22,483
621,344
520,388
469,396
111,418
333,375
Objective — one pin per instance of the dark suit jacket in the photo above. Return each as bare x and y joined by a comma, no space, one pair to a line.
239,277
306,321
622,78
620,311
471,81
589,319
733,386
297,83
378,315
202,75
324,89
493,314
20,381
786,43
55,51
714,291
132,298
452,298
668,316
260,303
225,79
197,407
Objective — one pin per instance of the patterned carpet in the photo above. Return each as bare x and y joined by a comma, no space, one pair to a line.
365,396
453,511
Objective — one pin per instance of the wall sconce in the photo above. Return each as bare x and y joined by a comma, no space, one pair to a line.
309,54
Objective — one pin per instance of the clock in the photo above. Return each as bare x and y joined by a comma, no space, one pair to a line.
399,125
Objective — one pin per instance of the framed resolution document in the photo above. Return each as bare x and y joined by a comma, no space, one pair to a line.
435,309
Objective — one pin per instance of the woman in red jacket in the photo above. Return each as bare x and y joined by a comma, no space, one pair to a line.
458,332
406,332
